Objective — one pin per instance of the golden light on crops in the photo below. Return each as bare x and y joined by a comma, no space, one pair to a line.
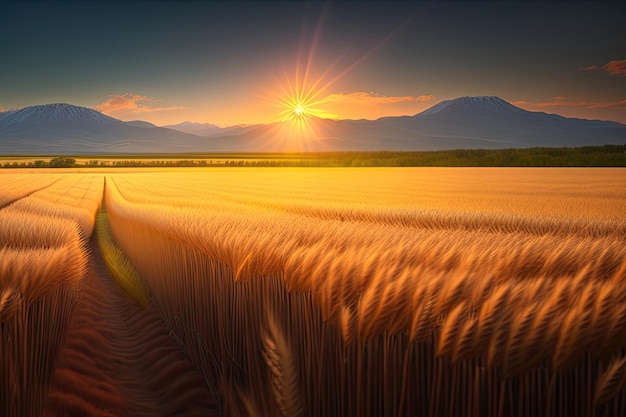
381,272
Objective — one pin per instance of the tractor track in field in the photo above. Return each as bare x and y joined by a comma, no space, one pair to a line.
118,359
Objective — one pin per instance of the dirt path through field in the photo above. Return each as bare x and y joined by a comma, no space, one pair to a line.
118,360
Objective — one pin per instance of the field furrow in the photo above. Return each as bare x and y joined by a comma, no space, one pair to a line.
119,360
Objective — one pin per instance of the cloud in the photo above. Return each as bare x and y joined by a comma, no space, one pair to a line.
560,101
362,97
616,67
589,68
128,103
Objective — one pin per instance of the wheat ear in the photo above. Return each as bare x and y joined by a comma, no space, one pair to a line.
282,366
611,381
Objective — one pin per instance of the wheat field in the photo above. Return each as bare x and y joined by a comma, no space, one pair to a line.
314,292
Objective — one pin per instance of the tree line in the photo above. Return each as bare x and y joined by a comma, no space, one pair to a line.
585,156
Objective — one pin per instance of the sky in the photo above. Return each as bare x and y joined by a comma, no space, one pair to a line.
231,63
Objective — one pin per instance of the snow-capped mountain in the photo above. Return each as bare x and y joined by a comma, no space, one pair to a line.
57,112
7,113
489,104
65,128
465,122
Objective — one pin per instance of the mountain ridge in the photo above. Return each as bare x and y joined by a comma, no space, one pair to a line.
465,122
490,103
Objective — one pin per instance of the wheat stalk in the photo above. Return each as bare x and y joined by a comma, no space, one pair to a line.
610,382
451,327
283,371
9,303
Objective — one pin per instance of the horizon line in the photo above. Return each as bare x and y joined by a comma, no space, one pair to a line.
247,124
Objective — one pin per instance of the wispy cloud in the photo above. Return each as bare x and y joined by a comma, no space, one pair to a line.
362,97
560,101
589,68
616,67
128,103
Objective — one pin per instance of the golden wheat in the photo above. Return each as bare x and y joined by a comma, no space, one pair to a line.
79,205
282,366
16,186
380,272
43,261
23,230
611,381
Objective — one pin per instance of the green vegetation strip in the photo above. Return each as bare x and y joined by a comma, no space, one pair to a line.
584,156
121,269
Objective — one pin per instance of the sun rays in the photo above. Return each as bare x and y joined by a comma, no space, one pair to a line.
300,95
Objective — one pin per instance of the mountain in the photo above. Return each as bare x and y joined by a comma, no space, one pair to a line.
200,129
63,128
465,122
140,123
208,129
490,122
485,104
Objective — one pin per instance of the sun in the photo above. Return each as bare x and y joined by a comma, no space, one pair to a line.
300,111
294,106
298,105
300,120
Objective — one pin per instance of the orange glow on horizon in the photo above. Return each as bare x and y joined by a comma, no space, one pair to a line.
302,95
299,100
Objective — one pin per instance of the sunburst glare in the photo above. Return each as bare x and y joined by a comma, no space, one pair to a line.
301,95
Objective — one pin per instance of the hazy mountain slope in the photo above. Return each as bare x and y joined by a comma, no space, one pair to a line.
496,124
64,128
466,122
199,129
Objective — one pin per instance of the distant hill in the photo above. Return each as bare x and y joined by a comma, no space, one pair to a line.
199,129
462,123
63,128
